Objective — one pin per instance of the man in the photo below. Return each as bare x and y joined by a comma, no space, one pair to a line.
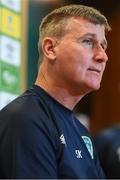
39,134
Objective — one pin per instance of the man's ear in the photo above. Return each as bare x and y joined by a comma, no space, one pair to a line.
48,47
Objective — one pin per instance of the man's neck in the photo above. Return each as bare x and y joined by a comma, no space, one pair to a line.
62,95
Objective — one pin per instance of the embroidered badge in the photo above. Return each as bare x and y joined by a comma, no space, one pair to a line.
88,144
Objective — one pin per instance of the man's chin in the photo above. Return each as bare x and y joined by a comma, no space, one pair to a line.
97,87
94,87
94,84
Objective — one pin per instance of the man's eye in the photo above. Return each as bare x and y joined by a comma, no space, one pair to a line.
88,42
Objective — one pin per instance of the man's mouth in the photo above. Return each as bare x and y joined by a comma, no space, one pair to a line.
94,70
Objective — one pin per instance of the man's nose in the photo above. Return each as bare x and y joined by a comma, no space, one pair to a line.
100,54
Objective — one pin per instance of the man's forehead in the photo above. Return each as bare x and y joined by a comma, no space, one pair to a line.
79,24
79,20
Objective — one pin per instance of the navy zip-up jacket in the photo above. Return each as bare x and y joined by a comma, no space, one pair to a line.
40,138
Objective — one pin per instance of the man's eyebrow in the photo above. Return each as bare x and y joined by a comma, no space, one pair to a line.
90,34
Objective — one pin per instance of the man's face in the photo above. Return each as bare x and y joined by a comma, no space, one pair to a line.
81,57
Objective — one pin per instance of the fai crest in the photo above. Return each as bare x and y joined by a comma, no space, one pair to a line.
88,144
